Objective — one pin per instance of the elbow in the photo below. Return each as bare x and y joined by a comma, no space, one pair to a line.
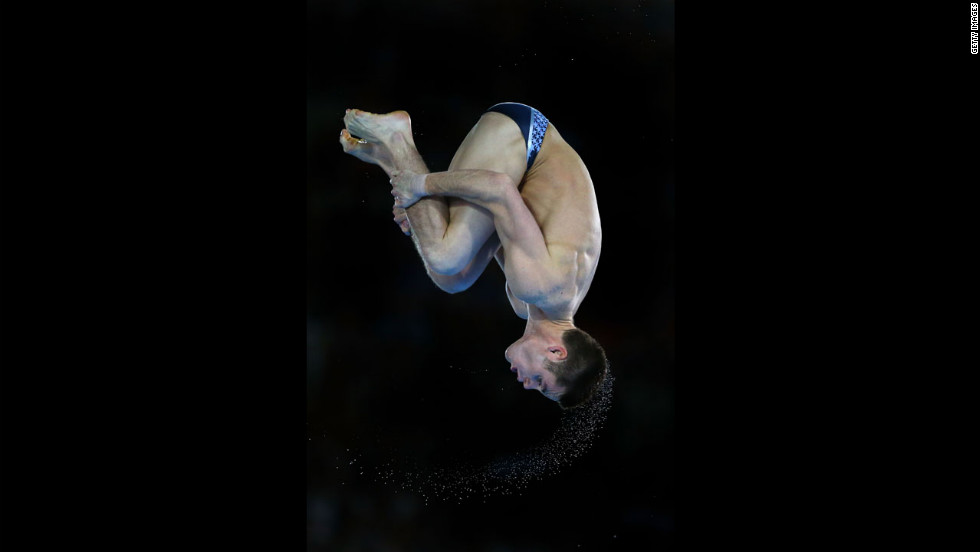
501,180
500,187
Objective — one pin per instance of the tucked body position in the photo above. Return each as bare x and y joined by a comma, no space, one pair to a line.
516,192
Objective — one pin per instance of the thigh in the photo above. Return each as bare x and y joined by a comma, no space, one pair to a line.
496,144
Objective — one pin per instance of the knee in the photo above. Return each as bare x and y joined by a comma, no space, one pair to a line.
452,287
446,260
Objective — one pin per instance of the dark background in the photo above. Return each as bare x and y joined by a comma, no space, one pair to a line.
154,377
399,369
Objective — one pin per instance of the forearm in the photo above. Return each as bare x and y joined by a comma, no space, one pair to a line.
483,188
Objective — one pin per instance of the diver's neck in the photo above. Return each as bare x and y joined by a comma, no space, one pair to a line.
537,319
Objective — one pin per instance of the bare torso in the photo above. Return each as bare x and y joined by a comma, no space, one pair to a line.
559,193
553,276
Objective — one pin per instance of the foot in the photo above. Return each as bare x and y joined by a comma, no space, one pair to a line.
376,154
377,128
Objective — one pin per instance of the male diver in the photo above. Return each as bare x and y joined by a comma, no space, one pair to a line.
517,192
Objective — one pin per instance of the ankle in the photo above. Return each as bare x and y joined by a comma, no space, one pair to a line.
400,142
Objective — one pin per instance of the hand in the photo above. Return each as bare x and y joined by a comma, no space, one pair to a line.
407,187
401,219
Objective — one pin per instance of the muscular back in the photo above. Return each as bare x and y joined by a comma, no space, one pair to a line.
559,192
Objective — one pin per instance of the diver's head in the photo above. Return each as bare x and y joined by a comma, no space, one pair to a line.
565,366
529,357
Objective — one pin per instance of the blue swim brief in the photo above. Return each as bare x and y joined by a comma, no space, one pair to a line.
531,122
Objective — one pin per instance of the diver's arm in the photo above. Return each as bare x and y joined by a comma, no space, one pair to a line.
531,272
520,307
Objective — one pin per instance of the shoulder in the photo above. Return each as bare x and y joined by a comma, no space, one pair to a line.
519,306
552,281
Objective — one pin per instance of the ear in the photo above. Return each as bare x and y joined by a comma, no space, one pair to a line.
558,352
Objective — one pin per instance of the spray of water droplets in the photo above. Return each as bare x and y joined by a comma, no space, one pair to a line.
509,474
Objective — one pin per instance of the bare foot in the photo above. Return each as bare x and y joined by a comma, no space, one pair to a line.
376,138
376,154
379,128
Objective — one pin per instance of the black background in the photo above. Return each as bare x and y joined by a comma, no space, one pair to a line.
155,245
396,363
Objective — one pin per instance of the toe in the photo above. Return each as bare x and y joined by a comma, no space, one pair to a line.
346,140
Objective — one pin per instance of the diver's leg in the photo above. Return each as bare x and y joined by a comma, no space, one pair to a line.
494,144
386,140
382,139
448,235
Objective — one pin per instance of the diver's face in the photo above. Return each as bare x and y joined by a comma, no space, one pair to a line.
526,358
